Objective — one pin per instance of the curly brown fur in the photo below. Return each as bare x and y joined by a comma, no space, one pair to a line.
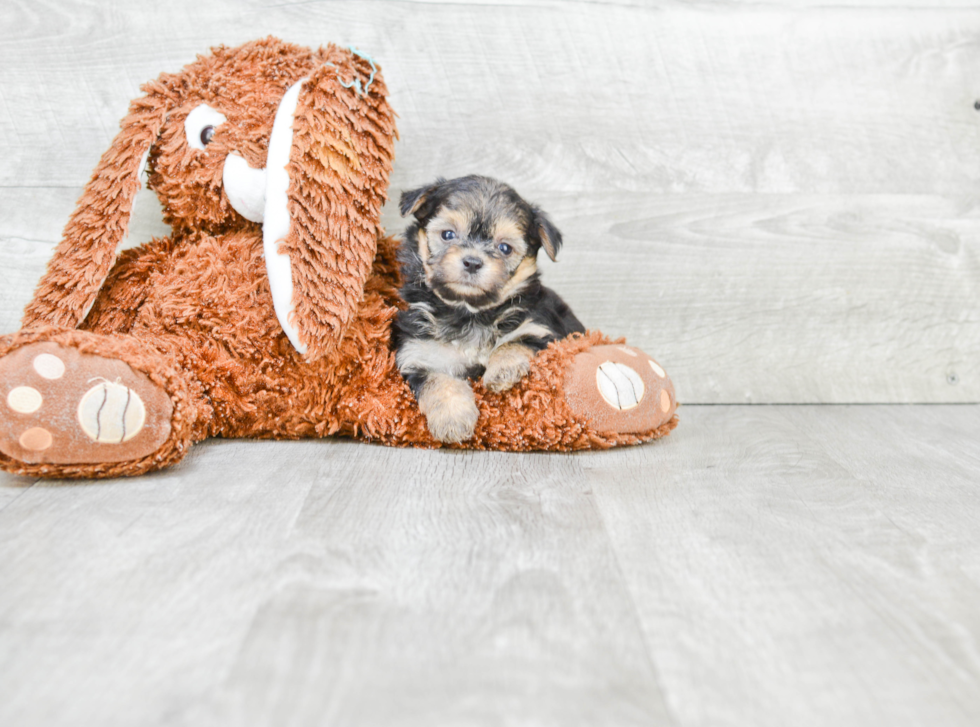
345,148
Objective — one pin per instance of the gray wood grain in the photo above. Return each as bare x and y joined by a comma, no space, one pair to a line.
511,543
31,222
774,201
763,565
807,563
703,98
783,298
312,583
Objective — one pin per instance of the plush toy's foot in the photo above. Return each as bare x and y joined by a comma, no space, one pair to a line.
619,390
62,406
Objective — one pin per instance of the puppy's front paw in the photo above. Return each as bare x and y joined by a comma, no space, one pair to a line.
508,365
449,408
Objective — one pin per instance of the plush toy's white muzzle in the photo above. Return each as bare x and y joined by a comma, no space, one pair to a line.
245,187
260,195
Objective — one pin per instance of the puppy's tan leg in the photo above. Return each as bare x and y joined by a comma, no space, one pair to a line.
449,408
507,365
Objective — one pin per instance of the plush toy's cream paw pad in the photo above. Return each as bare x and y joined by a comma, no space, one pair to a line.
111,412
619,385
619,389
24,400
61,406
49,366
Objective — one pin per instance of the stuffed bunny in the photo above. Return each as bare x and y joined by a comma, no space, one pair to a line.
267,313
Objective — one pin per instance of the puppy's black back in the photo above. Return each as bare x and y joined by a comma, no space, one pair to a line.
428,316
553,313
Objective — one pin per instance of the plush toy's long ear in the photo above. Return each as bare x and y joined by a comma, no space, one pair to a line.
100,221
340,149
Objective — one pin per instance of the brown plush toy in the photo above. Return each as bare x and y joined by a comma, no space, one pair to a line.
267,313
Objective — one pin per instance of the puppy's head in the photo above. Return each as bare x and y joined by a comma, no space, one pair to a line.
477,239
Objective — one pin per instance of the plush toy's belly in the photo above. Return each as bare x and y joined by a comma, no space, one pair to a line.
206,302
213,289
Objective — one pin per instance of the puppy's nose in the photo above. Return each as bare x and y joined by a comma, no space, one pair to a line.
472,264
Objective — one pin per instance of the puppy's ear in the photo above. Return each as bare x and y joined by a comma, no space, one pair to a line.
547,234
420,202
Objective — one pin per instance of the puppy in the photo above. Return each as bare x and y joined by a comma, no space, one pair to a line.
476,306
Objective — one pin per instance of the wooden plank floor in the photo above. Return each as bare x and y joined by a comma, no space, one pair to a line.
761,566
777,199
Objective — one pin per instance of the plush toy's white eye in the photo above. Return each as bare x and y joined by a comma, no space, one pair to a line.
200,125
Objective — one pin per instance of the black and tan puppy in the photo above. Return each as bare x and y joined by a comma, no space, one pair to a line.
476,306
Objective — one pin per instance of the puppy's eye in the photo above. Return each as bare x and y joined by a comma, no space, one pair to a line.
448,235
207,133
505,248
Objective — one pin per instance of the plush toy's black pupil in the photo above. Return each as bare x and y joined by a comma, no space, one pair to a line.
207,133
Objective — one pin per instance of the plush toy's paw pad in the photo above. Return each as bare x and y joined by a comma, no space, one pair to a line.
619,389
449,408
61,406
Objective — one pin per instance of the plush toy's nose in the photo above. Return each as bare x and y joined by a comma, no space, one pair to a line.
256,193
245,187
260,195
